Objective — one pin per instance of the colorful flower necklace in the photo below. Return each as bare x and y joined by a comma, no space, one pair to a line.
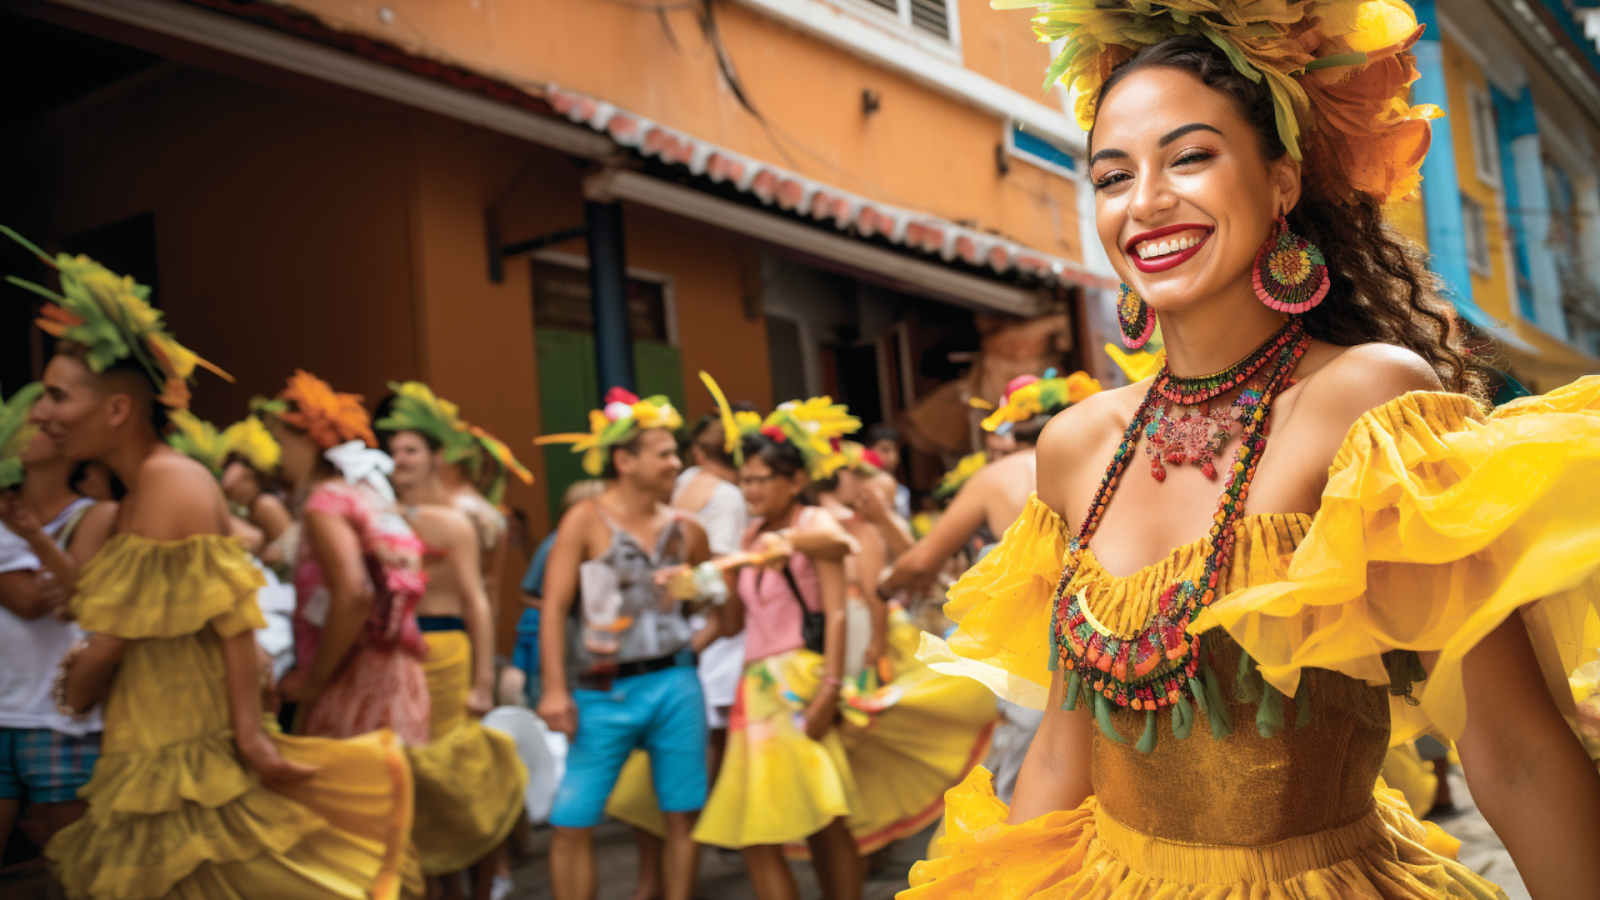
1199,433
1160,666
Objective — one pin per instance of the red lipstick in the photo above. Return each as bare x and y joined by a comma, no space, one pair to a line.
1171,260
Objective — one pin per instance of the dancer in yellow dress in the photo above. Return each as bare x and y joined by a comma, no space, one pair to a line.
469,780
195,799
1221,676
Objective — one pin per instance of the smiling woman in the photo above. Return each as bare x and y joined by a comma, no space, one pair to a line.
1234,641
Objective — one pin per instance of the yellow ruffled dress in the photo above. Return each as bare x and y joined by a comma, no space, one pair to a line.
885,767
172,811
469,780
1437,523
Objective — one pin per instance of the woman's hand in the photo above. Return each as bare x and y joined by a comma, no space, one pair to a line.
774,549
20,520
821,713
297,687
479,701
261,754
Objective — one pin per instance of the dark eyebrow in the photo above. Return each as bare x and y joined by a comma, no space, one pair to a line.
1169,137
1182,130
1108,153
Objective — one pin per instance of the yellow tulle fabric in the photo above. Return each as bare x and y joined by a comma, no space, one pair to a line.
469,780
885,767
1436,525
777,786
1084,854
1406,771
171,810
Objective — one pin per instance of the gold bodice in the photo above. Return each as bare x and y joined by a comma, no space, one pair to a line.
1243,789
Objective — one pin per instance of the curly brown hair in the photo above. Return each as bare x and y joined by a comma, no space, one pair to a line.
1382,290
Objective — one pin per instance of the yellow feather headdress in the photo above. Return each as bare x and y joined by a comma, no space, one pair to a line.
1337,70
250,441
618,422
1027,396
815,426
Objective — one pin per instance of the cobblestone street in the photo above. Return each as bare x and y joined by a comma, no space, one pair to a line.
722,874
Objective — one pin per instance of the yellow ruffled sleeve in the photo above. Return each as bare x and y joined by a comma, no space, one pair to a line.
1002,610
138,588
1436,525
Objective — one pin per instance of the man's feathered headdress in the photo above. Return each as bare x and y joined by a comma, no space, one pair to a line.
618,422
111,318
489,460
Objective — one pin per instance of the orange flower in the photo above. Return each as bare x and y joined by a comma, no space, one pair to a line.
331,418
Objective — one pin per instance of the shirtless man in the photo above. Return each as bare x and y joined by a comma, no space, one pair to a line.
466,805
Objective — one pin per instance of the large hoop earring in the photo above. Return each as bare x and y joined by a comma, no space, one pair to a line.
1136,320
1290,274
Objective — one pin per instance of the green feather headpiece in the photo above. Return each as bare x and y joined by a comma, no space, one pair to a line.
111,318
15,433
417,408
198,439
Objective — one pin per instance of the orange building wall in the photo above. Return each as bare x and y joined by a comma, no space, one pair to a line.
274,251
808,91
713,332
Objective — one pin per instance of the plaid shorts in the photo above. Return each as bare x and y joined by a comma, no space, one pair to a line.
45,766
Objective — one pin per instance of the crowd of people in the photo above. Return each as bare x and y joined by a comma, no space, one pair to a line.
254,661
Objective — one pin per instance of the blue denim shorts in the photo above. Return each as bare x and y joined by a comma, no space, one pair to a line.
662,713
45,766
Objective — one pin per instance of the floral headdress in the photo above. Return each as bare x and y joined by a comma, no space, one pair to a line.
417,408
15,432
198,439
111,318
622,418
967,467
814,426
250,441
1337,71
1028,396
313,406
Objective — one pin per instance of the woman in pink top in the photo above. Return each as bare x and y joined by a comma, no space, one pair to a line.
786,778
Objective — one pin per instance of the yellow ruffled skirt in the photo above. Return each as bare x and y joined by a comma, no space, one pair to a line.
188,821
469,781
1084,854
884,767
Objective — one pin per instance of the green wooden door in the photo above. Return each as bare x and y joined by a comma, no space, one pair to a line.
568,390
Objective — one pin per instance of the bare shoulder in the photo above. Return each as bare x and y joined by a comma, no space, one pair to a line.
1356,379
442,525
177,498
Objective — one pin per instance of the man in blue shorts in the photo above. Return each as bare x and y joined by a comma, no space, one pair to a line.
633,653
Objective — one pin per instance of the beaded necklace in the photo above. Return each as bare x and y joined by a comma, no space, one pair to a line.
1197,433
1161,666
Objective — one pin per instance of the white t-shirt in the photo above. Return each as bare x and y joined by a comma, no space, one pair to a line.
724,516
29,651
